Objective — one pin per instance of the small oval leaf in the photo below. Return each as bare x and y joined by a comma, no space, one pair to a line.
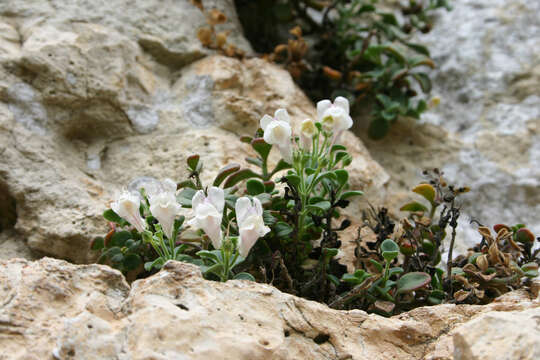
412,281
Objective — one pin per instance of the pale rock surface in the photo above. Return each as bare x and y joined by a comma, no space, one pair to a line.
486,132
167,30
92,313
85,108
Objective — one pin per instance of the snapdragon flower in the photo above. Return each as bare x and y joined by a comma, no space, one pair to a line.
164,207
335,116
307,131
209,213
127,207
250,223
277,131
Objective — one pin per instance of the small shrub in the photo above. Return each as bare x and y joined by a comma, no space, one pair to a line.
358,49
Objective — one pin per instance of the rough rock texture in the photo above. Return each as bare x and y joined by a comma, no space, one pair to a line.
167,30
87,105
92,313
486,131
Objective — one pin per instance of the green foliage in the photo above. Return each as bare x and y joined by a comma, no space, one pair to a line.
401,269
124,250
357,49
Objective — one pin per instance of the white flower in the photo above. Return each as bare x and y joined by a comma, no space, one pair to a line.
250,223
127,207
164,207
208,213
335,117
307,131
277,131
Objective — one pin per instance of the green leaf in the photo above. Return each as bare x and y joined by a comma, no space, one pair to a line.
427,191
110,215
269,186
185,196
395,270
119,238
215,269
423,80
117,258
193,162
320,206
338,147
333,279
412,281
326,175
414,206
210,255
530,269
186,183
377,265
261,147
239,176
255,161
421,61
357,278
349,194
330,252
421,49
98,243
224,172
158,263
389,18
378,128
132,261
281,165
254,187
246,139
428,247
389,250
282,229
294,180
340,155
524,235
342,176
244,276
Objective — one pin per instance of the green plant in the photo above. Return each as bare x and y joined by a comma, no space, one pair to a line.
298,198
279,222
400,269
358,49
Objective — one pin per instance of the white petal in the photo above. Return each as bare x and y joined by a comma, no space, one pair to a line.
269,135
258,206
286,152
342,102
266,119
248,238
242,207
197,199
169,185
322,106
282,115
217,198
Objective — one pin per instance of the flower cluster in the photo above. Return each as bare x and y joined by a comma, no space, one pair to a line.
226,224
334,117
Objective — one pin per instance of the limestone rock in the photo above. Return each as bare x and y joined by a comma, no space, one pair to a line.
92,313
511,335
84,110
167,30
486,132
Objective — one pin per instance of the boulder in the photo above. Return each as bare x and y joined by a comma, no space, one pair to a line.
84,109
92,313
